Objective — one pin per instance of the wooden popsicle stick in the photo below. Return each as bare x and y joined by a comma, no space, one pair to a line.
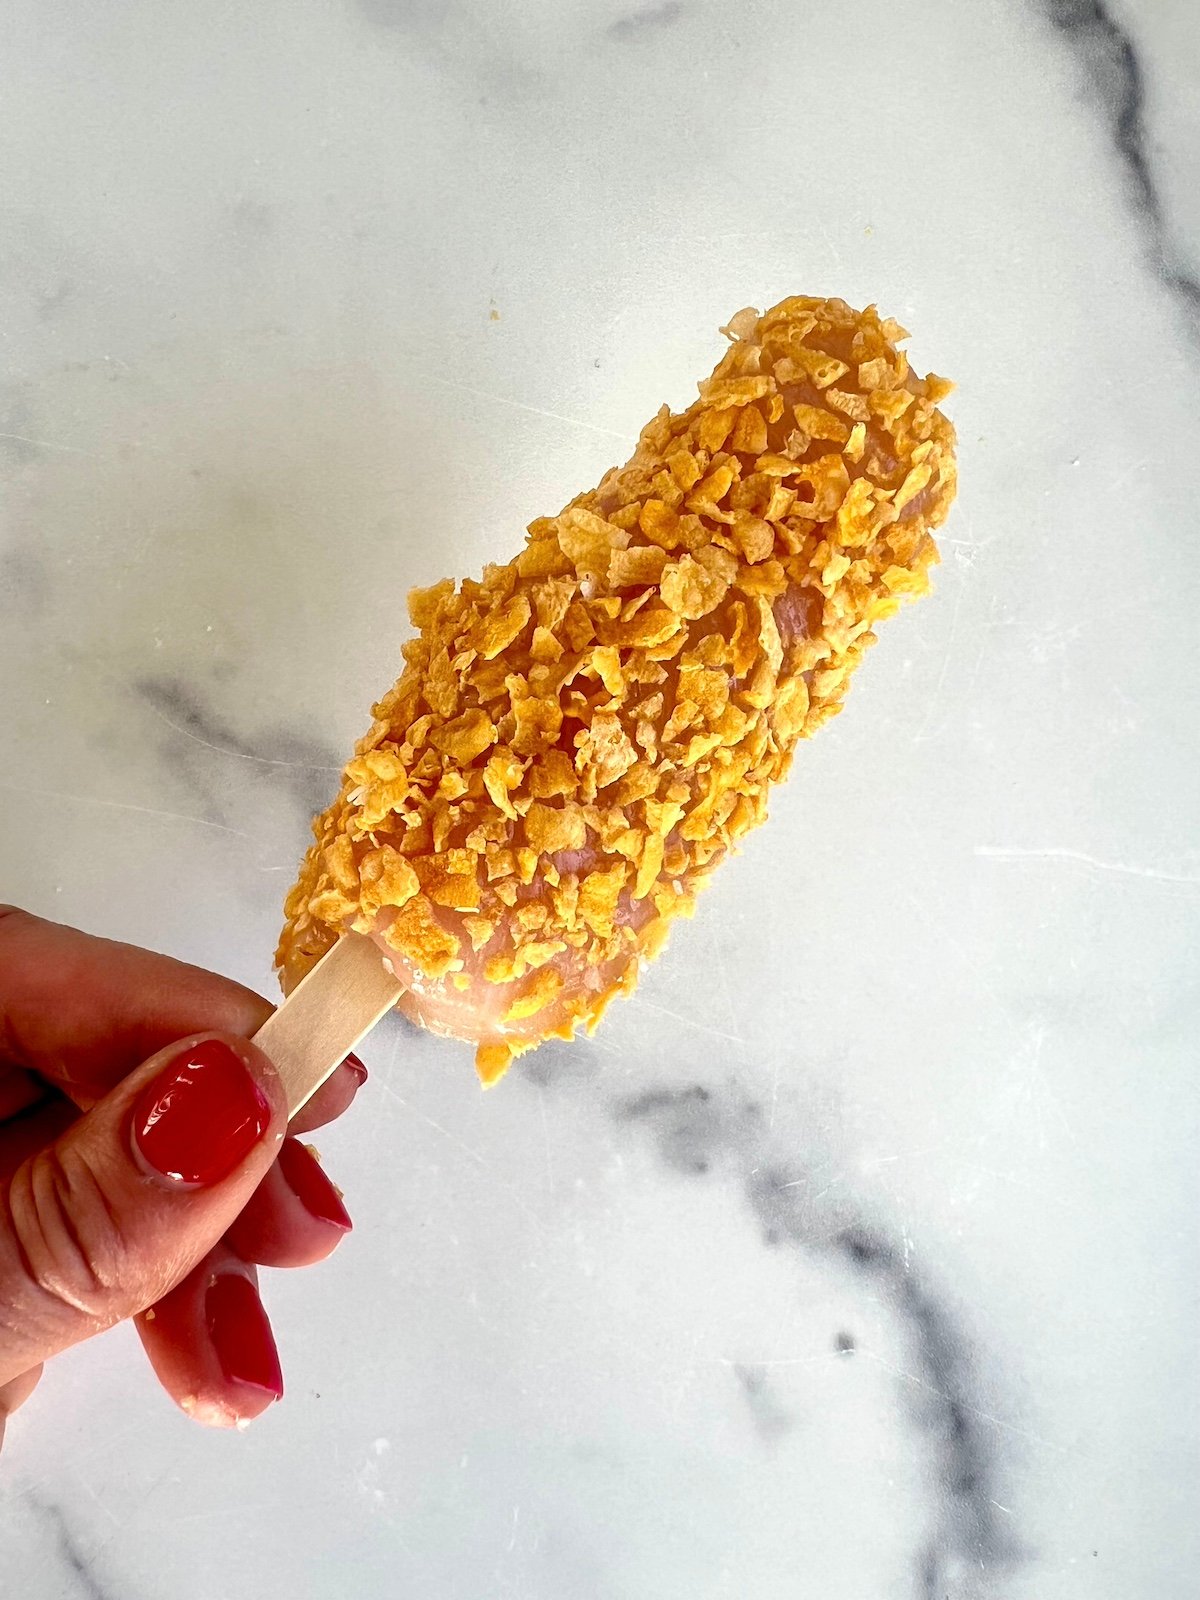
326,1014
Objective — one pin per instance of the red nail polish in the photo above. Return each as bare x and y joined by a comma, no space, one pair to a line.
357,1068
241,1334
201,1116
306,1179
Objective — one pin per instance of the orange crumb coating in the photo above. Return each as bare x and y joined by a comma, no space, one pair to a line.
580,737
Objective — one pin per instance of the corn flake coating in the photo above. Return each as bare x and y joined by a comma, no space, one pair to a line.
581,736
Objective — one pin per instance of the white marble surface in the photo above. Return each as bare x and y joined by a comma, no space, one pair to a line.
919,1080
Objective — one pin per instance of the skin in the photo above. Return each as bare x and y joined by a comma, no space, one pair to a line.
86,1240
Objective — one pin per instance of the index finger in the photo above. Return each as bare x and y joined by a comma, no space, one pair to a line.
83,1011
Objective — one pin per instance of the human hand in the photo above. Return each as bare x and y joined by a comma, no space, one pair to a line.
146,1167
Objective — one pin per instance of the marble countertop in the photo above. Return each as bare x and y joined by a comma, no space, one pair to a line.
856,1257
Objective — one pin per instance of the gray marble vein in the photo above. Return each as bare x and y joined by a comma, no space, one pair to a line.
26,583
77,1568
302,766
968,1538
772,1418
18,444
650,19
1107,51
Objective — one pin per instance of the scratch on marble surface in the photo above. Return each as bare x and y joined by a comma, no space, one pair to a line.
546,1146
966,546
835,254
1129,473
770,1361
221,1514
1129,869
520,405
1017,1182
49,444
1028,1089
976,1411
156,693
774,1105
118,1437
475,1155
179,707
104,1510
720,970
239,755
144,811
690,1022
933,705
686,1372
431,1122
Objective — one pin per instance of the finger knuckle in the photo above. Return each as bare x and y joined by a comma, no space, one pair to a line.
68,1237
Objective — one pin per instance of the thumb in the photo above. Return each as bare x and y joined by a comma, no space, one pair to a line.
107,1218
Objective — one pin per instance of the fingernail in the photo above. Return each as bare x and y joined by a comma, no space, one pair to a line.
241,1334
357,1068
306,1178
202,1115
